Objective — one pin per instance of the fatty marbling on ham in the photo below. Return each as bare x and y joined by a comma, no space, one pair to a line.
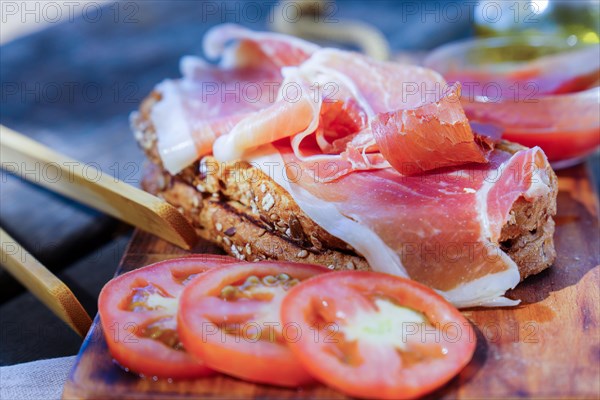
428,137
211,100
441,229
340,128
202,106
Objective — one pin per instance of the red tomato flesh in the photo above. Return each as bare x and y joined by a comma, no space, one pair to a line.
374,335
138,314
230,318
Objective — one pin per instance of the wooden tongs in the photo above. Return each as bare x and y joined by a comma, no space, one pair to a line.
85,184
19,154
43,284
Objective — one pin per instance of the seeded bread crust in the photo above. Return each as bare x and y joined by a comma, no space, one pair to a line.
253,218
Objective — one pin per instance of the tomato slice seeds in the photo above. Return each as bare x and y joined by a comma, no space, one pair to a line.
377,335
138,312
230,319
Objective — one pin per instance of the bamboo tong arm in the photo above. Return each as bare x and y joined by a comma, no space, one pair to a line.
83,182
43,284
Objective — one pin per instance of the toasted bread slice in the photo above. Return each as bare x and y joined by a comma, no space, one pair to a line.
253,218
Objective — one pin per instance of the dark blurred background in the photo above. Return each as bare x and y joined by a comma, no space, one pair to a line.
73,85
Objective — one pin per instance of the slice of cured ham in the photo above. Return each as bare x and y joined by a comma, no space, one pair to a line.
401,106
254,48
432,136
194,111
440,229
235,102
211,100
287,116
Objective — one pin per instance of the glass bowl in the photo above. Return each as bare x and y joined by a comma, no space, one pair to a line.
542,91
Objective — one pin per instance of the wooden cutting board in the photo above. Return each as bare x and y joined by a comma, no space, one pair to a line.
549,346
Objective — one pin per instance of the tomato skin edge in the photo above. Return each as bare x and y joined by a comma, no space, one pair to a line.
275,366
140,355
353,387
230,363
151,366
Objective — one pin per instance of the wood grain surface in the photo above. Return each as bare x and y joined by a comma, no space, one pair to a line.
549,346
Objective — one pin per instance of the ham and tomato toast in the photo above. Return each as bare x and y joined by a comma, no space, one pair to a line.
285,150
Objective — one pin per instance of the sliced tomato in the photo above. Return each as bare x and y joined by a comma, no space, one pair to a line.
138,314
230,318
372,335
